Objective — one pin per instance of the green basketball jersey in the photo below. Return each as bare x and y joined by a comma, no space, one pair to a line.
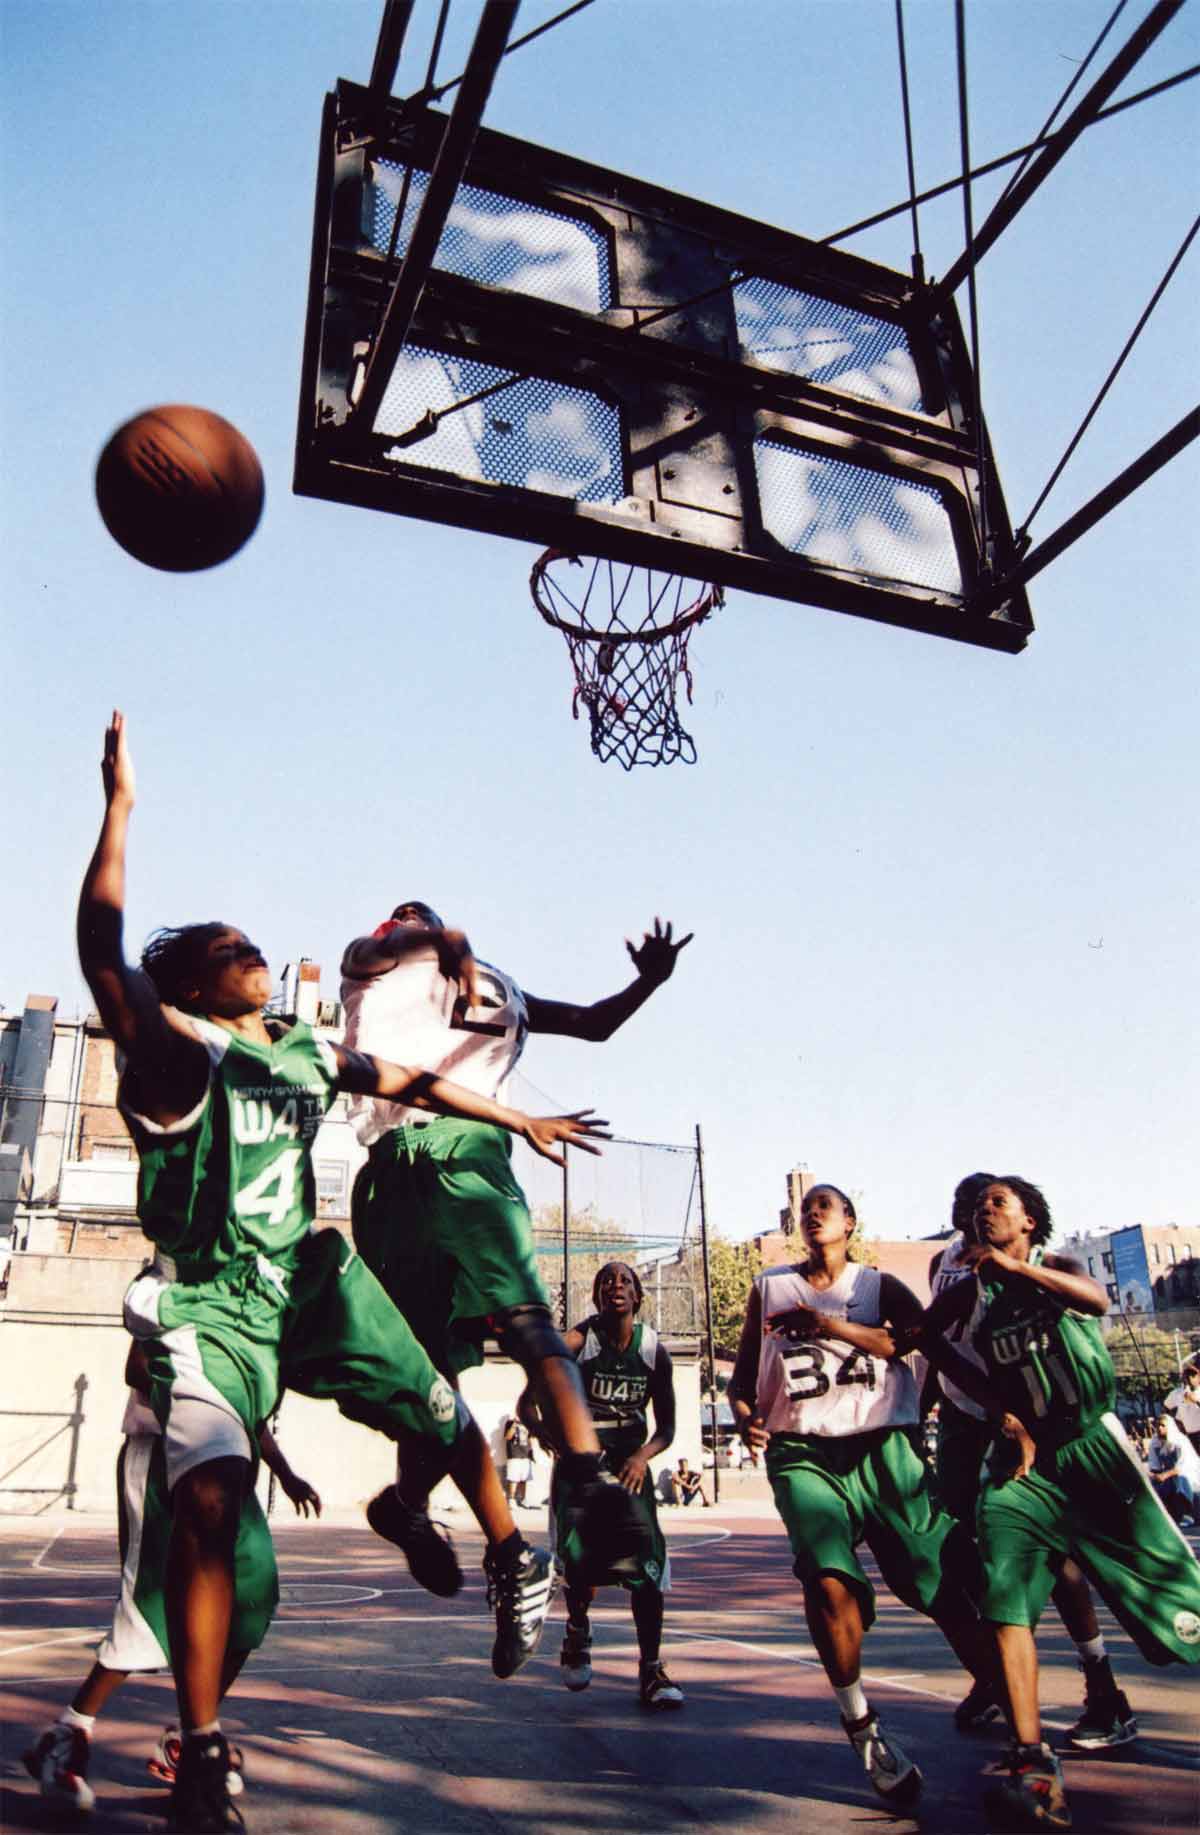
235,1177
1048,1365
617,1385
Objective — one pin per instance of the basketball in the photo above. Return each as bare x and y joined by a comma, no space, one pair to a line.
179,488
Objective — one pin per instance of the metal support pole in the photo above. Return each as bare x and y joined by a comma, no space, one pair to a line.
1080,118
392,28
708,1331
491,38
566,1244
1097,507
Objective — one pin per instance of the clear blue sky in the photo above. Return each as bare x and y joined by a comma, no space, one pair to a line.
944,900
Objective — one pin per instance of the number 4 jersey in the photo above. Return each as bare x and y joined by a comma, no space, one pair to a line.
821,1386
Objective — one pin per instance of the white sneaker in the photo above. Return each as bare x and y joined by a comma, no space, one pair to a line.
894,1776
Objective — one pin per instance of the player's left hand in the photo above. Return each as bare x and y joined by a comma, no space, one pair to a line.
654,958
302,1495
633,1473
457,962
798,1322
1014,1429
578,1130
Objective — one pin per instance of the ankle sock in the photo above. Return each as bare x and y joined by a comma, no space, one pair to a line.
71,1717
205,1732
852,1701
1091,1650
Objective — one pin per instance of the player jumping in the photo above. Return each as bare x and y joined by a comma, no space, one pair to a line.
818,1385
438,1214
244,1298
1033,1318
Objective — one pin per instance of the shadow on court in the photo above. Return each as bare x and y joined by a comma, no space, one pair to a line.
372,1708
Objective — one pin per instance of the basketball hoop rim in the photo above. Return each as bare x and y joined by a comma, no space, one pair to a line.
710,597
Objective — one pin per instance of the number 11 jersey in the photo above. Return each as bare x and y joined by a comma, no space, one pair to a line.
822,1386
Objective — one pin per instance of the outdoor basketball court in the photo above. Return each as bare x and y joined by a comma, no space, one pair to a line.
371,1707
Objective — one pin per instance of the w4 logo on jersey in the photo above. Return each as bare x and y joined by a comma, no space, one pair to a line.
258,1118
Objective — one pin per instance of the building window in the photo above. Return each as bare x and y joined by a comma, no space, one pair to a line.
1187,1251
112,1150
1091,1266
333,1186
1108,1263
1157,1253
1114,1293
1171,1256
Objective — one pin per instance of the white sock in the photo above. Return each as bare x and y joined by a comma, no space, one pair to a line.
71,1717
853,1702
1091,1650
210,1726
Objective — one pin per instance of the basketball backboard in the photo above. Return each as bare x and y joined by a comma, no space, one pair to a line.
603,367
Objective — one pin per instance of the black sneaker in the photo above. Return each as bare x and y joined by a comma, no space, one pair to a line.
200,1800
1107,1720
576,1658
978,1709
426,1545
610,1531
519,1592
656,1689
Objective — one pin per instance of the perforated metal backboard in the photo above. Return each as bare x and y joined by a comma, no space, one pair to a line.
603,367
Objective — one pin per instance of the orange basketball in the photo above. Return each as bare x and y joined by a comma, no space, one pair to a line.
179,488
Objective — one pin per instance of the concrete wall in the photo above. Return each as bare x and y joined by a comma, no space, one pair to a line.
63,1395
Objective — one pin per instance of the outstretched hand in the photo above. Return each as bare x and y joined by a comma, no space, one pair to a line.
578,1130
301,1494
654,958
117,766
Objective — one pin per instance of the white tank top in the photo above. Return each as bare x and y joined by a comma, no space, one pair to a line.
950,1273
413,1015
820,1385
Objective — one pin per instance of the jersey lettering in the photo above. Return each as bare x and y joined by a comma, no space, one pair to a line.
804,1370
252,1121
273,1193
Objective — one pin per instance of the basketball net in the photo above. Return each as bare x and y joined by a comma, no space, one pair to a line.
627,631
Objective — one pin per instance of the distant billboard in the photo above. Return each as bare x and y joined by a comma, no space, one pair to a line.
1131,1270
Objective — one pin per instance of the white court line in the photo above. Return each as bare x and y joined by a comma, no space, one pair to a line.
61,1637
48,1547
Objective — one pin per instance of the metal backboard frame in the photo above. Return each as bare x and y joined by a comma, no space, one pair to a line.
723,454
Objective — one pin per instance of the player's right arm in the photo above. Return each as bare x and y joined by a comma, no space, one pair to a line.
368,957
743,1384
166,1068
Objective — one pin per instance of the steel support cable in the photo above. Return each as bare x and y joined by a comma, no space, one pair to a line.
429,94
1065,97
1006,159
1085,423
918,266
406,183
1081,117
964,137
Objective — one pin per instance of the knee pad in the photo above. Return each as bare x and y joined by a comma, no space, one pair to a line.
528,1335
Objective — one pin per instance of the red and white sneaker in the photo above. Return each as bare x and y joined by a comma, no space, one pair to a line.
58,1761
163,1762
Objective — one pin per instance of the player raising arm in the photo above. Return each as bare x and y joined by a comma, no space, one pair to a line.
1033,1318
438,1214
244,1298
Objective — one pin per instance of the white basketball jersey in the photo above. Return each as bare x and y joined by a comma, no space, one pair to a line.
820,1385
950,1273
139,1417
413,1015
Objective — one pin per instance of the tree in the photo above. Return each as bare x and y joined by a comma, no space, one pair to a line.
1144,1360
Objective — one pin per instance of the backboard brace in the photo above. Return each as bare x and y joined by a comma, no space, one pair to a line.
606,368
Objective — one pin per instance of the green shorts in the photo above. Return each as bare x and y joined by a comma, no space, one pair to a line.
962,1444
137,1639
439,1217
221,1352
1091,1500
872,1487
654,1568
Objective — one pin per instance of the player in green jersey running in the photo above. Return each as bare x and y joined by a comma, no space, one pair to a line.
626,1369
244,1297
1033,1318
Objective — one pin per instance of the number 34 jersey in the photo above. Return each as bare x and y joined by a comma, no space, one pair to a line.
821,1386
